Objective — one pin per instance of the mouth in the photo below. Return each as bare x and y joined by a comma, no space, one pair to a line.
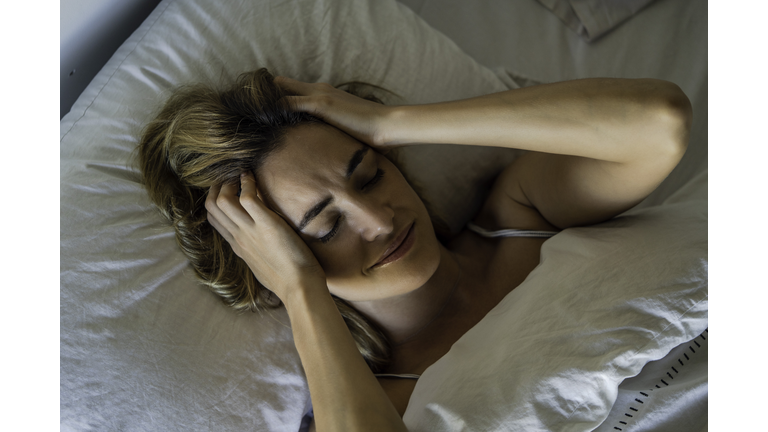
399,247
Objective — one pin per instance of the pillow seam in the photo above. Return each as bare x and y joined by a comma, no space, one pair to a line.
136,45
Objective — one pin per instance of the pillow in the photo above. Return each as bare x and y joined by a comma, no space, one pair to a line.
591,19
604,301
144,346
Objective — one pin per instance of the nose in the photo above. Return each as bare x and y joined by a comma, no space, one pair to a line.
373,218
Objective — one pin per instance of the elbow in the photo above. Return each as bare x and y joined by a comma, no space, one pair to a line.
681,113
675,115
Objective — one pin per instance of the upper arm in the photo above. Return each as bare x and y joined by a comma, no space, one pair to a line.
575,191
627,156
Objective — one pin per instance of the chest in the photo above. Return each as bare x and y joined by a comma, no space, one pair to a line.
496,267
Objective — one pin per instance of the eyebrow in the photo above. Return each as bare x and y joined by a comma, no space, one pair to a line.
355,161
318,208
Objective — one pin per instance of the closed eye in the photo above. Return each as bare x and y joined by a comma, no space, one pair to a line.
326,238
372,182
375,179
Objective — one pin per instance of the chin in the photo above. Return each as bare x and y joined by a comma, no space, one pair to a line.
397,278
417,268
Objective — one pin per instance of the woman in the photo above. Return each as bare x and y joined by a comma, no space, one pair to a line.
325,222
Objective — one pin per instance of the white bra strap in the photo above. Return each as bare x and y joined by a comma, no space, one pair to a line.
510,232
411,376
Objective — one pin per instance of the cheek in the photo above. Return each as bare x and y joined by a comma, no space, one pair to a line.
345,271
342,260
350,283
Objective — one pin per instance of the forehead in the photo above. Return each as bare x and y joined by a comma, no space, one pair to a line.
312,161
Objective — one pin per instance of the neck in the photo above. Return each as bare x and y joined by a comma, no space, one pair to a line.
406,317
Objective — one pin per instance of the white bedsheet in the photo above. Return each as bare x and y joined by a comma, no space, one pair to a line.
670,394
604,301
591,19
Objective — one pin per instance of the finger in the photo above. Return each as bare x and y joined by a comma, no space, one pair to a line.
211,204
249,195
293,86
301,103
229,203
294,102
220,228
253,201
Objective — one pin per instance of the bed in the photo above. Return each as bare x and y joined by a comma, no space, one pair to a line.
608,333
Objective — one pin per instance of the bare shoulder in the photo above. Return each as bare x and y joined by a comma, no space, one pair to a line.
503,262
508,207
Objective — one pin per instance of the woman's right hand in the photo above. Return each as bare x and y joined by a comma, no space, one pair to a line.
278,257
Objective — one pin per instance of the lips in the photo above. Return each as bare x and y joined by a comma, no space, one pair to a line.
393,252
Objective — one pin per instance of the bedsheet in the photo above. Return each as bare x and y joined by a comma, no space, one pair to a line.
605,301
670,394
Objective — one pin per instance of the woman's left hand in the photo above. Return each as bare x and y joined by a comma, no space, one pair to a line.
360,118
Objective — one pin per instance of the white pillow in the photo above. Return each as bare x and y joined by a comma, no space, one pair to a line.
604,301
143,345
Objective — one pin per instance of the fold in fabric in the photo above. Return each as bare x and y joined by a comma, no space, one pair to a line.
591,19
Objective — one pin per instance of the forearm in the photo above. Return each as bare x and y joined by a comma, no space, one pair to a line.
614,120
345,394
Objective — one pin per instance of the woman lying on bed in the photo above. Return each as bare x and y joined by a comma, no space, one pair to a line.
295,191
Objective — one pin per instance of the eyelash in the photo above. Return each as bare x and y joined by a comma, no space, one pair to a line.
326,238
375,179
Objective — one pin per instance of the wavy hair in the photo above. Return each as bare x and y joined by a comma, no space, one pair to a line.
202,137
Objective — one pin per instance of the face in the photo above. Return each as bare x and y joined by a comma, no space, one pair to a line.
351,206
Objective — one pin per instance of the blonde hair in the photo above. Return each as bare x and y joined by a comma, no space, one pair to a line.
203,137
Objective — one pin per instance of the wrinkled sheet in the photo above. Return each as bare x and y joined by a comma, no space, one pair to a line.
670,394
592,19
605,301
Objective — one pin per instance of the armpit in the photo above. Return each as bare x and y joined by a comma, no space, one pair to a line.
507,207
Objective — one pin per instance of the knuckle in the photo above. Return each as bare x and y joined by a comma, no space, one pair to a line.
222,202
246,200
295,102
210,204
324,100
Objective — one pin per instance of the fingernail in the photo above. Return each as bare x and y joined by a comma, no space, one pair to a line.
242,175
